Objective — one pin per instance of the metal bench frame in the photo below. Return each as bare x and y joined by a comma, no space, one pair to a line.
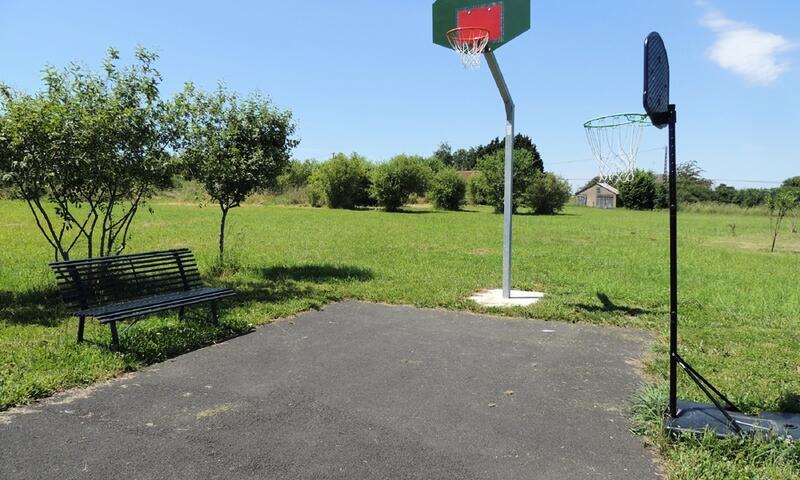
131,287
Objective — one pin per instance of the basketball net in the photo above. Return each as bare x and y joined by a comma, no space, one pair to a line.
469,43
615,141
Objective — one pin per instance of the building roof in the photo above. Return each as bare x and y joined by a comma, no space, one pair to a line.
601,184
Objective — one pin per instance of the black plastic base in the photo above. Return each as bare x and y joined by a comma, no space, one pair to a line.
696,418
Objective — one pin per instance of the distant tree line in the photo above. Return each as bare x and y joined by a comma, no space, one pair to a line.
468,158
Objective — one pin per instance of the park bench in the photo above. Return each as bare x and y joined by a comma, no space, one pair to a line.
131,287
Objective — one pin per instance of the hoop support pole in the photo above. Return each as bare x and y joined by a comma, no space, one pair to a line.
673,268
508,204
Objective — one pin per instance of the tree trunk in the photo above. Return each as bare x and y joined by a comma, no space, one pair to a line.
222,235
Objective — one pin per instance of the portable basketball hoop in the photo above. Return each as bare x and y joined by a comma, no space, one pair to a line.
469,43
615,140
721,417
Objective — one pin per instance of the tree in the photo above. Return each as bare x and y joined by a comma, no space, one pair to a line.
232,146
88,151
792,182
780,203
445,154
725,194
692,187
296,175
492,167
341,182
395,181
638,193
547,194
448,190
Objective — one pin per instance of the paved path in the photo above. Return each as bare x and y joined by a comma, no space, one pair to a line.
357,391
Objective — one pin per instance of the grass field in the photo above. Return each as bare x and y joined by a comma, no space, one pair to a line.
740,304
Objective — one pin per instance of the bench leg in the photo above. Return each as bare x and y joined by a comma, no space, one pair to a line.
81,323
114,336
214,313
182,314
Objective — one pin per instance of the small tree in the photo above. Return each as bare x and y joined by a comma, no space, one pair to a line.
547,194
232,146
87,152
638,193
492,168
448,190
779,204
396,180
341,182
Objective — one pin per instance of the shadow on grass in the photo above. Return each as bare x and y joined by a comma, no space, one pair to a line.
607,306
33,307
314,273
790,403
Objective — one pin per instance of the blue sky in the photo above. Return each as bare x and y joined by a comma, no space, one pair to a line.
364,76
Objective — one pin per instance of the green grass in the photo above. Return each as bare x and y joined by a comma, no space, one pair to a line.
739,318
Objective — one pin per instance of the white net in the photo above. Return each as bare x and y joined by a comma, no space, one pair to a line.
469,43
615,141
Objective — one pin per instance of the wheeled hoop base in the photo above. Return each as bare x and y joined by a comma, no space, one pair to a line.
696,418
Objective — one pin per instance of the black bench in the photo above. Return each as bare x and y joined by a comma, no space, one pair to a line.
126,287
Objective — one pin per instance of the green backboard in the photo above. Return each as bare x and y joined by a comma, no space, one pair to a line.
504,19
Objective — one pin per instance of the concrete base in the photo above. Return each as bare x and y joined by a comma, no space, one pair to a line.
494,298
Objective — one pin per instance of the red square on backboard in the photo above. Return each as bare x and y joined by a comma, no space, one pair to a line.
489,17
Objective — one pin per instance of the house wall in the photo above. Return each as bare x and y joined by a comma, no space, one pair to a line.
598,196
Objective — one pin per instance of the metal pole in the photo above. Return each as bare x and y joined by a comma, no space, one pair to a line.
673,269
508,204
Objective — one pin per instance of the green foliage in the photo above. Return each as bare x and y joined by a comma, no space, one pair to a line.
296,175
232,146
468,159
396,180
88,151
341,182
725,194
638,193
477,189
781,203
445,154
792,182
547,194
692,187
448,190
492,167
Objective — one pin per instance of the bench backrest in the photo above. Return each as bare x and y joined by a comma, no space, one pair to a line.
99,281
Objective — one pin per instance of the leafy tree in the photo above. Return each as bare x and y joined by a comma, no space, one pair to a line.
547,193
478,189
232,146
692,187
725,194
793,182
445,154
467,159
752,197
394,182
638,193
780,203
492,168
296,175
341,182
448,190
88,151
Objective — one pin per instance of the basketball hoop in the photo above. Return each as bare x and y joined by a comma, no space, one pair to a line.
614,141
469,43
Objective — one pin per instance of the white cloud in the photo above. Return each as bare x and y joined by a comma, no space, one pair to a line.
747,51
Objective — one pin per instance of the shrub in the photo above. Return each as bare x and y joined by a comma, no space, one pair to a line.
493,169
638,193
477,189
342,182
547,194
448,190
395,181
295,176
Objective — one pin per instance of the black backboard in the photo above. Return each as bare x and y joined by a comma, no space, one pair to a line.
656,80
